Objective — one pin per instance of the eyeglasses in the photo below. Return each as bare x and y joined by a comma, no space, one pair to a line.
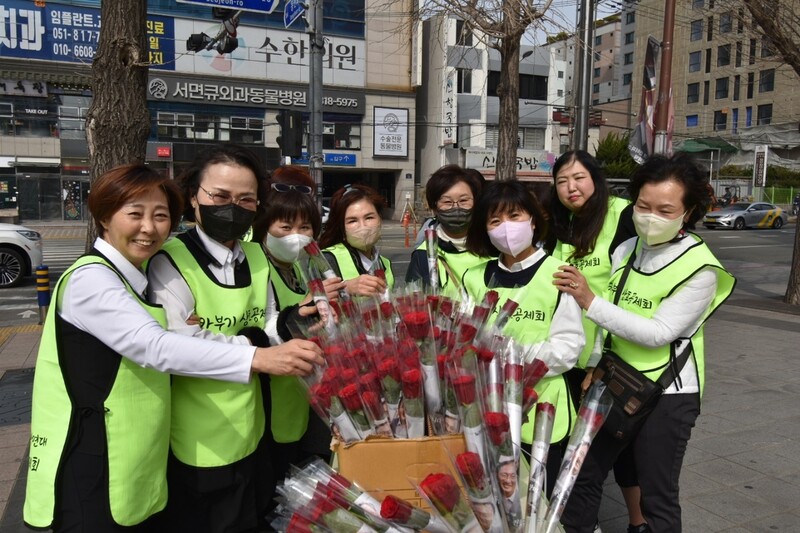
285,187
224,198
446,203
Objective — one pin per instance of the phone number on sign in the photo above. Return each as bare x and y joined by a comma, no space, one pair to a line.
81,51
339,102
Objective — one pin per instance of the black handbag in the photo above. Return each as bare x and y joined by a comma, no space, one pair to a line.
635,395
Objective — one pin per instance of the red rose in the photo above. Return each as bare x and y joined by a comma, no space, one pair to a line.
447,339
464,386
412,383
331,376
372,403
299,524
485,355
316,340
316,286
442,491
480,314
592,419
509,307
545,407
441,362
446,306
380,273
386,309
513,372
312,248
530,396
393,508
433,302
418,324
335,352
471,469
497,427
369,382
321,395
534,371
320,506
348,375
349,396
407,349
491,298
389,368
466,332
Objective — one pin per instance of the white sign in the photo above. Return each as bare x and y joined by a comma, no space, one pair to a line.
449,108
527,160
760,166
390,132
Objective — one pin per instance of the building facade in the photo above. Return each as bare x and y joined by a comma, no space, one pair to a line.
198,99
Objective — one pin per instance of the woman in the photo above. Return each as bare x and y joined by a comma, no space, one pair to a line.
350,240
681,283
508,222
451,192
104,352
209,275
588,224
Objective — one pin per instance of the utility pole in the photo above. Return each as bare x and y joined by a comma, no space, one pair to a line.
317,45
580,132
664,80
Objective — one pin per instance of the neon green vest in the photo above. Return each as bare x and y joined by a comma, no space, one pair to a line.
137,427
595,267
642,294
531,324
457,263
289,402
348,269
216,423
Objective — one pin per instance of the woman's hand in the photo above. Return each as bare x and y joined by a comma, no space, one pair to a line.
365,285
332,287
587,380
293,358
569,279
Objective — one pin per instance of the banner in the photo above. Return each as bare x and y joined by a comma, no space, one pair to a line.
641,142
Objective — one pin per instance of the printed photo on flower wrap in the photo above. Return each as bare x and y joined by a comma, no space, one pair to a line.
480,491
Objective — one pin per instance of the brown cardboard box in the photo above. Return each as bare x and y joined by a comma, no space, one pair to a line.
379,465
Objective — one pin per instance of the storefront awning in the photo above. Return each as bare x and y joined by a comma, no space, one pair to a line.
707,143
37,162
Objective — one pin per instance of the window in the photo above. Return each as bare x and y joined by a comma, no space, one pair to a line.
696,30
735,122
697,4
737,80
597,56
766,47
706,90
597,73
764,114
694,61
748,117
691,121
598,40
708,60
738,54
752,58
627,78
726,22
341,135
532,87
560,93
596,88
72,121
175,125
629,58
710,29
561,74
693,93
720,121
463,33
766,81
740,21
630,17
724,55
464,81
721,89
629,39
751,81
532,139
247,130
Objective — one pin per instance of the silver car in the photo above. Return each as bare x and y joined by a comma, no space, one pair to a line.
20,253
746,215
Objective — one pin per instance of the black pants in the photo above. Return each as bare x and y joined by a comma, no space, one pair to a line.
658,452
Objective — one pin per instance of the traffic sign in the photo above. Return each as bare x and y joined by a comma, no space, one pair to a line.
292,11
259,6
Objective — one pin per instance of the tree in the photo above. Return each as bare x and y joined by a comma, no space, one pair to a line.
502,24
779,23
612,153
118,122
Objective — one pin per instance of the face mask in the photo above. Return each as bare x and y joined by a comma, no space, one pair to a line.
512,238
289,248
225,223
654,229
363,238
455,220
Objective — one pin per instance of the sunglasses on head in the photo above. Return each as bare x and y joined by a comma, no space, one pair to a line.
285,187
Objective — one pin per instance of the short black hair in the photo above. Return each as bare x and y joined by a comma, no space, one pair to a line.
682,168
499,197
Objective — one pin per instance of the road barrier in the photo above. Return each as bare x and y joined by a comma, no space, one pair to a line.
43,290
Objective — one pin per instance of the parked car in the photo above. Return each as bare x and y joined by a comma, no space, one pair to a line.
746,214
20,253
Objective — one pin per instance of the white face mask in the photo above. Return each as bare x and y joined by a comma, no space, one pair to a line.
654,229
363,238
287,249
512,238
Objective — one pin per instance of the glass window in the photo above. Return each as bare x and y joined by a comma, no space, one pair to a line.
630,17
766,47
735,121
738,54
596,88
706,90
561,74
532,87
740,21
737,80
693,93
721,89
533,138
696,30
691,121
629,38
766,81
629,58
748,117
627,78
726,22
598,40
464,81
697,4
597,73
463,33
694,61
764,114
708,60
597,56
751,81
720,121
724,55
752,59
710,29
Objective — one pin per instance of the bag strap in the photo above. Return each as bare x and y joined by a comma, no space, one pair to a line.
622,279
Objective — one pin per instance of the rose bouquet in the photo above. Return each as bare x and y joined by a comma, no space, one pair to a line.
542,431
443,494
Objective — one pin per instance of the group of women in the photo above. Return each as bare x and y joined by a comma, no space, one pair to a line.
146,414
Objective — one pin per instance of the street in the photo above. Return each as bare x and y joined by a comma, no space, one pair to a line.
760,260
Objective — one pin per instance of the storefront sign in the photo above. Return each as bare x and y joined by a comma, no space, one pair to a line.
390,132
36,89
449,108
178,89
527,160
331,159
164,151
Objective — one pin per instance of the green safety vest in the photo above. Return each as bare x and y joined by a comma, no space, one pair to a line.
453,262
531,324
289,400
137,411
216,423
643,292
348,268
595,267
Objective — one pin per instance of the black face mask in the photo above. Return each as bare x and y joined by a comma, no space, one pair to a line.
455,220
225,223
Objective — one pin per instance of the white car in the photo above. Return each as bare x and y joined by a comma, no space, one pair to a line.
20,253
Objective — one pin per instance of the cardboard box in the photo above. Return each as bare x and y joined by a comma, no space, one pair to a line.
379,465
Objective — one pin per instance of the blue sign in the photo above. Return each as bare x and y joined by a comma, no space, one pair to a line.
68,33
340,160
259,6
292,11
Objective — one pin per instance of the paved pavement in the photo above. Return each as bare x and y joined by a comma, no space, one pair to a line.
742,468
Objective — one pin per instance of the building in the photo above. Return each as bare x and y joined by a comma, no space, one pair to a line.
197,99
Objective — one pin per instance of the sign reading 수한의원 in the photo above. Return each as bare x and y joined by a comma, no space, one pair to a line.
259,6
